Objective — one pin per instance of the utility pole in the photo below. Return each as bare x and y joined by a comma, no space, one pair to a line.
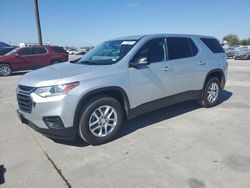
38,25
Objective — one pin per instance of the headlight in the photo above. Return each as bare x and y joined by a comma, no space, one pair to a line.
55,90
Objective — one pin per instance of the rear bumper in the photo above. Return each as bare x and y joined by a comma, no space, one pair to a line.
68,133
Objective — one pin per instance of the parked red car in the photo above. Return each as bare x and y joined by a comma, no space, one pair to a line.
32,57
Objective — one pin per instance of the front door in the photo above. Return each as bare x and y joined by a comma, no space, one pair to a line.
22,59
153,81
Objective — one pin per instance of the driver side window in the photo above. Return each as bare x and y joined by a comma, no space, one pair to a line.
24,51
153,50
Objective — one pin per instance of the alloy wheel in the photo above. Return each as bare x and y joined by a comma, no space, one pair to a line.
5,70
212,92
103,121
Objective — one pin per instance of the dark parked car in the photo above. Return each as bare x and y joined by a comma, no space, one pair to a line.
4,51
32,57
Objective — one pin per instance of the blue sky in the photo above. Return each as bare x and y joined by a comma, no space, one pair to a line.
86,22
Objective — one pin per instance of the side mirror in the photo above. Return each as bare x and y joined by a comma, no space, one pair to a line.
17,55
141,61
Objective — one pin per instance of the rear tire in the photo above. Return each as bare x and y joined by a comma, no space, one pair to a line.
100,120
211,93
5,70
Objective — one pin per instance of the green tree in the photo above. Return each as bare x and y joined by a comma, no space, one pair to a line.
244,42
232,39
248,41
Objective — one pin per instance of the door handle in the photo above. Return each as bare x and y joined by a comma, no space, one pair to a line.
202,62
167,68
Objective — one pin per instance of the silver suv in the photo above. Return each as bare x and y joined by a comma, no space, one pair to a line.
121,79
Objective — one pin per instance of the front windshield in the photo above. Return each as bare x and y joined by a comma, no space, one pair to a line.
107,53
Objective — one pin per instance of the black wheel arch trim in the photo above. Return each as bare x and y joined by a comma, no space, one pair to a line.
223,81
101,91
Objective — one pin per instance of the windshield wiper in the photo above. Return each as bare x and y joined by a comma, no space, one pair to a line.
88,63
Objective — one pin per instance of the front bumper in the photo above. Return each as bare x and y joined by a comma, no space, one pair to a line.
40,113
68,133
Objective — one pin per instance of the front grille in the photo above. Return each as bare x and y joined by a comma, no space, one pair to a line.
25,89
24,102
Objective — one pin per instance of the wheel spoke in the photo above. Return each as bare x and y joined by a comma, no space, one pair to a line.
107,110
112,119
93,123
110,125
100,111
110,114
96,116
97,127
100,132
105,130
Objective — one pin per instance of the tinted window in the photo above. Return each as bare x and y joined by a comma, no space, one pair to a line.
179,47
36,51
213,45
24,51
153,50
5,50
58,49
193,47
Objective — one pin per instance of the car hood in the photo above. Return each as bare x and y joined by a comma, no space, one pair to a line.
51,75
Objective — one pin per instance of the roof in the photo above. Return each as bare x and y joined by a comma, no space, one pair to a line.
138,37
132,37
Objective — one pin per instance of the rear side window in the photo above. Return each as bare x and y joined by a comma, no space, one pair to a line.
180,47
58,49
37,51
213,45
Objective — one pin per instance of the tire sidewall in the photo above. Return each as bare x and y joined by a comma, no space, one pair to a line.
83,128
8,67
205,101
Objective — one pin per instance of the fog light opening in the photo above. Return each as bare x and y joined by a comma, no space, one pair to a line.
53,122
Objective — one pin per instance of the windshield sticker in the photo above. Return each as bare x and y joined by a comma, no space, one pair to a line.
113,59
128,42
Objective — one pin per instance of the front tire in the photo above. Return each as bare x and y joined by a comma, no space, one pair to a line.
101,118
5,70
211,93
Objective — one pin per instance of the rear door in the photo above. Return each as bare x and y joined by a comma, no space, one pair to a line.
188,65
